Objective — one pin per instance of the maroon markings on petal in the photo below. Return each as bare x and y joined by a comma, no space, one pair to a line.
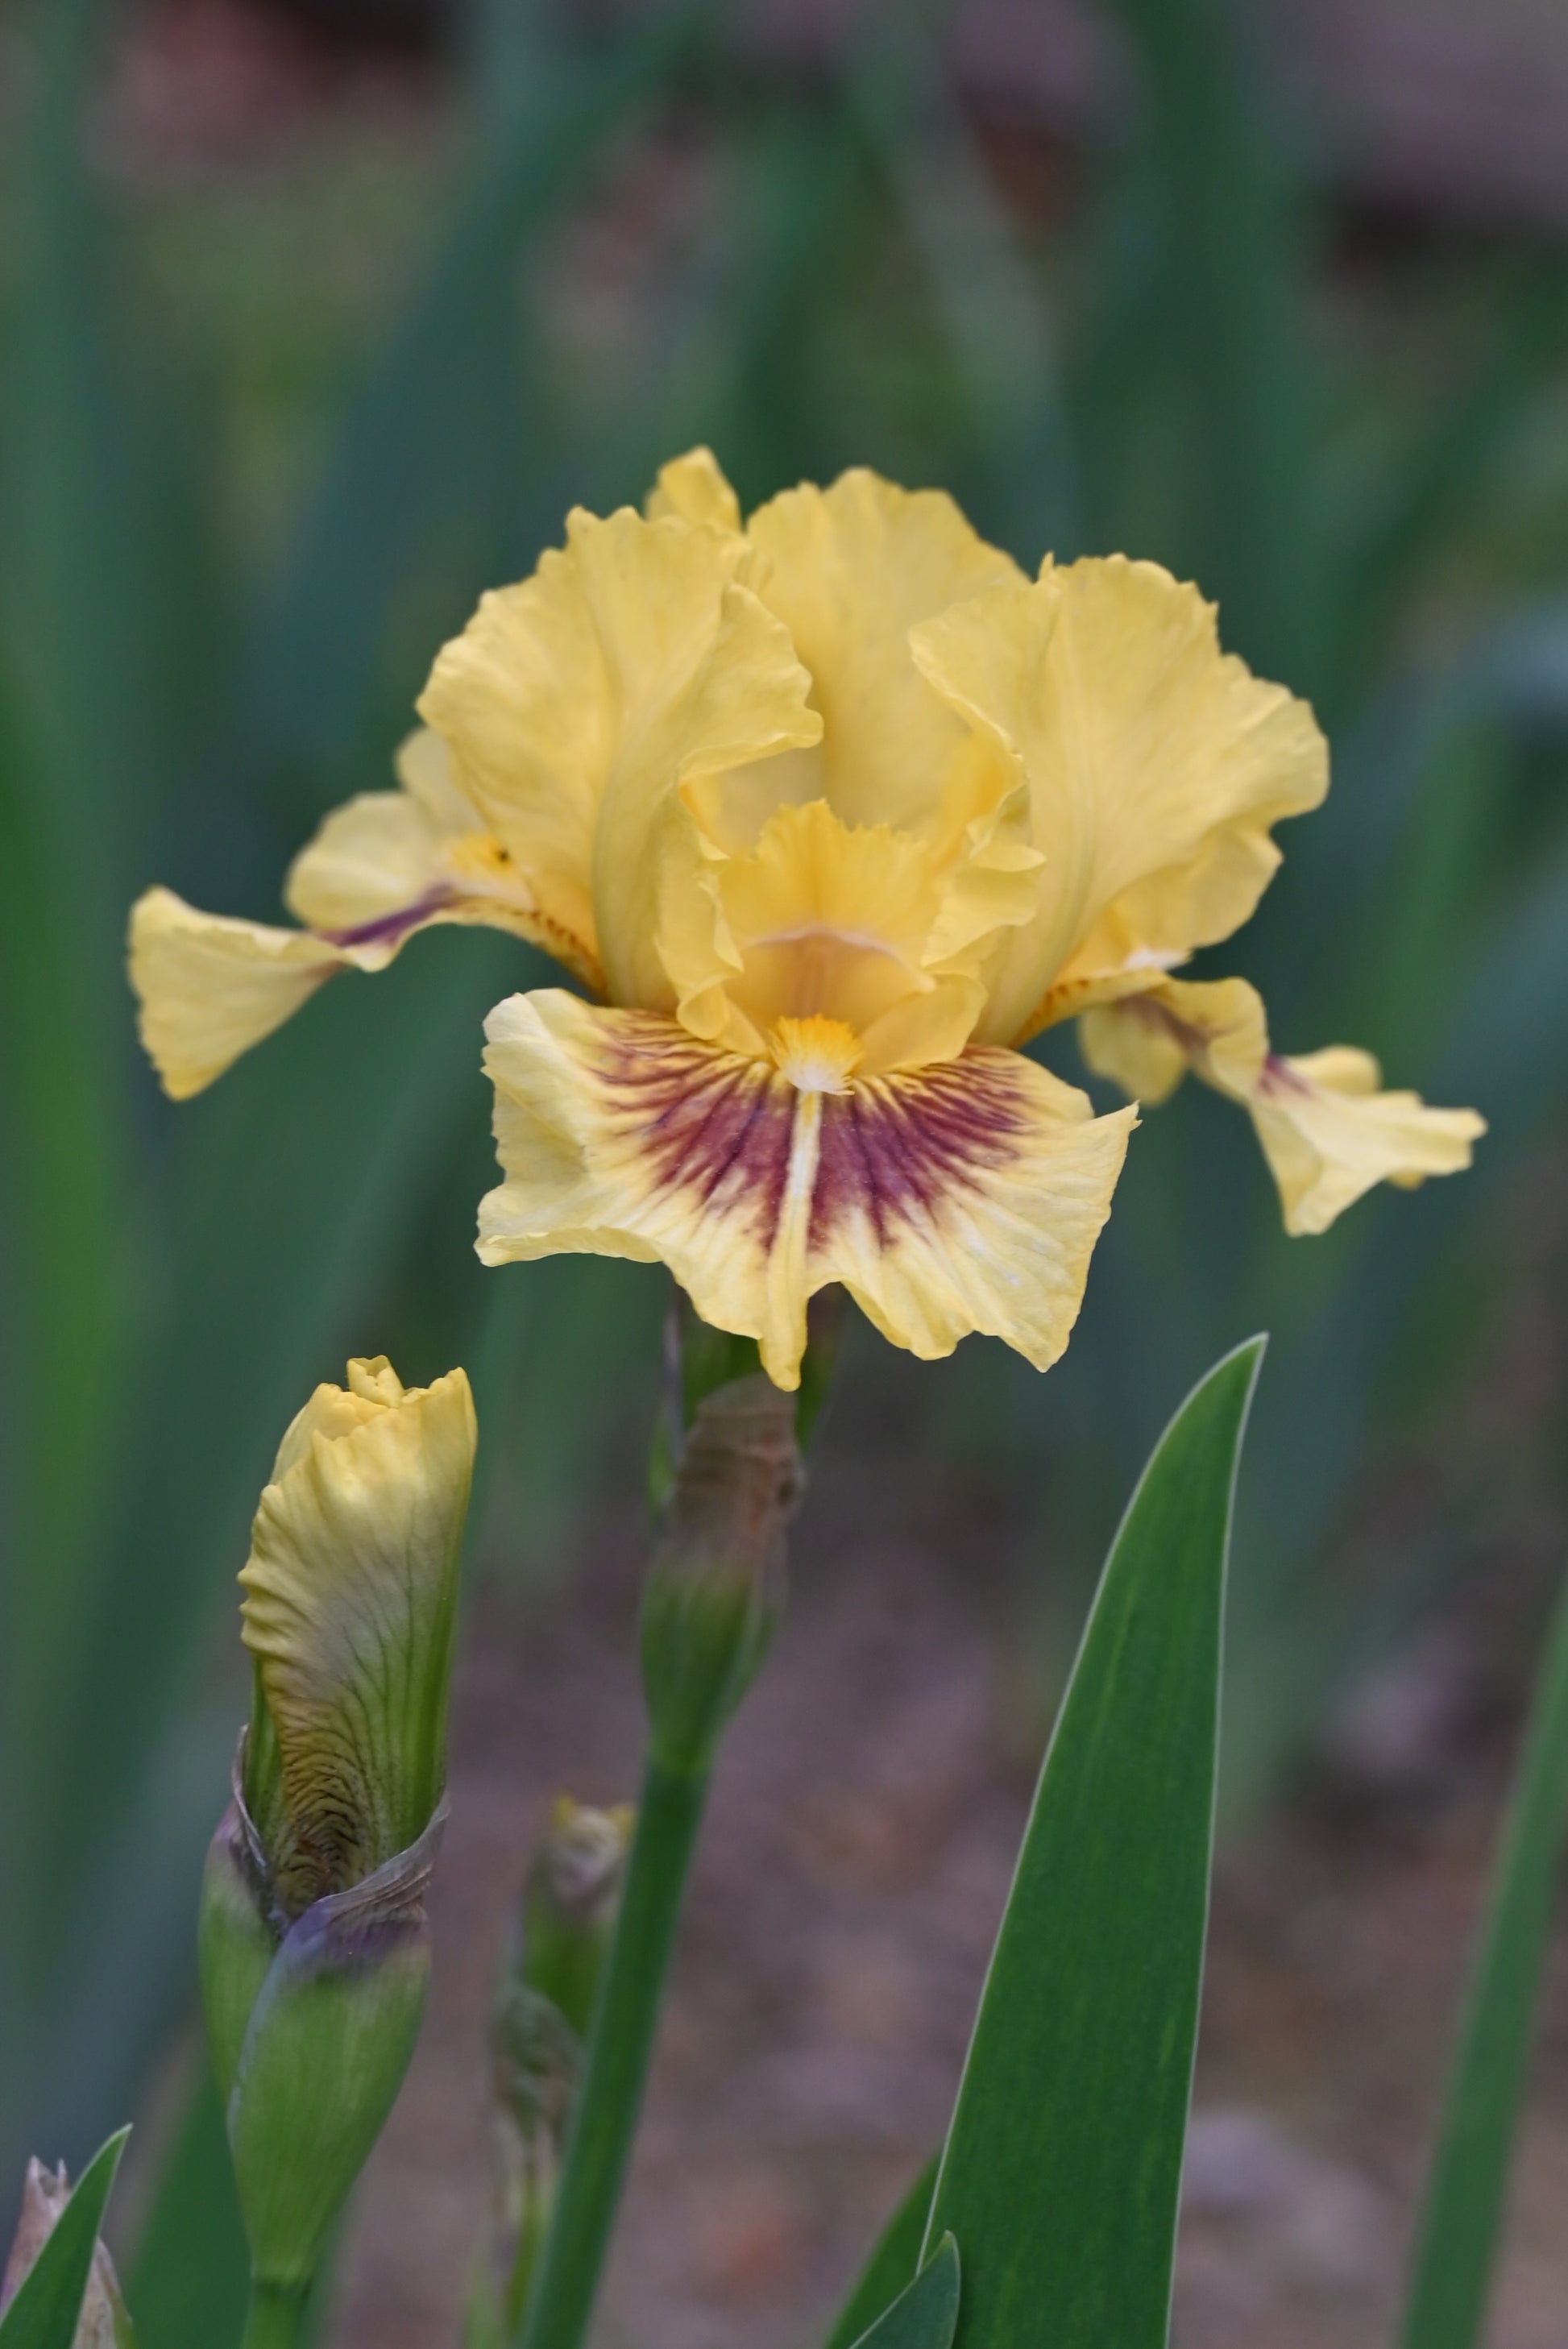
894,1148
709,1121
386,930
1278,1077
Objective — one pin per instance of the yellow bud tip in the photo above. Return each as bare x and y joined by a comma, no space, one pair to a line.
817,1055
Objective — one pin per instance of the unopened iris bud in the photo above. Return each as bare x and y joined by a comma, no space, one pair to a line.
103,2322
315,1951
567,1912
716,1583
544,1999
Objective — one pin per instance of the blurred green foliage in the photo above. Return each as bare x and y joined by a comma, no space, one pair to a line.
261,446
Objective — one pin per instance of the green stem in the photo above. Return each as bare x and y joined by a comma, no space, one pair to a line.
275,2318
620,2044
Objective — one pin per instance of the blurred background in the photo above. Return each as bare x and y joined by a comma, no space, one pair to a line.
315,317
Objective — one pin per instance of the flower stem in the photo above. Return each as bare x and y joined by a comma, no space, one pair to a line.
619,2044
275,2318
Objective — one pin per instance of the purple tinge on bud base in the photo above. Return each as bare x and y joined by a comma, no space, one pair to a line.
312,2022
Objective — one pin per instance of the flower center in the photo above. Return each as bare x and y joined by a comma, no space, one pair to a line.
817,971
817,1055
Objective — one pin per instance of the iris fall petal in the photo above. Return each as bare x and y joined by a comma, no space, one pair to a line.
1328,1129
962,1196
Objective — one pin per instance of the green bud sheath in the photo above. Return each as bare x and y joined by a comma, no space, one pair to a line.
715,1586
544,1999
324,2056
568,1908
236,1944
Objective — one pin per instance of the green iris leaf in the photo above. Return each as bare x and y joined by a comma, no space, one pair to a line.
1063,2161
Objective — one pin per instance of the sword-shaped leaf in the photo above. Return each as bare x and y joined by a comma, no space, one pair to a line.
1063,2162
926,2312
47,2306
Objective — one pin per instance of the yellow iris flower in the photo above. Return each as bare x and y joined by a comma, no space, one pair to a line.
832,812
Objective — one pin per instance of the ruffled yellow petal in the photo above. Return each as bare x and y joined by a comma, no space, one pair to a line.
349,1608
849,571
824,919
578,704
1328,1131
965,1196
1155,766
209,987
334,1410
693,488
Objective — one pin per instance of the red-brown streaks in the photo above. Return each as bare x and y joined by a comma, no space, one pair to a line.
721,1127
1277,1076
709,1121
895,1146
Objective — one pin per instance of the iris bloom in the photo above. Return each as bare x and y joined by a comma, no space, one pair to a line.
828,815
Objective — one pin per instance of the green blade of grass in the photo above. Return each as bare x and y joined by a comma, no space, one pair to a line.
48,2302
1060,2174
1458,2239
893,2260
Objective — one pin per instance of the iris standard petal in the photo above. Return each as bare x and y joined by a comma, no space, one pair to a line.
693,488
856,923
1155,766
823,918
850,569
1328,1131
964,1196
577,704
